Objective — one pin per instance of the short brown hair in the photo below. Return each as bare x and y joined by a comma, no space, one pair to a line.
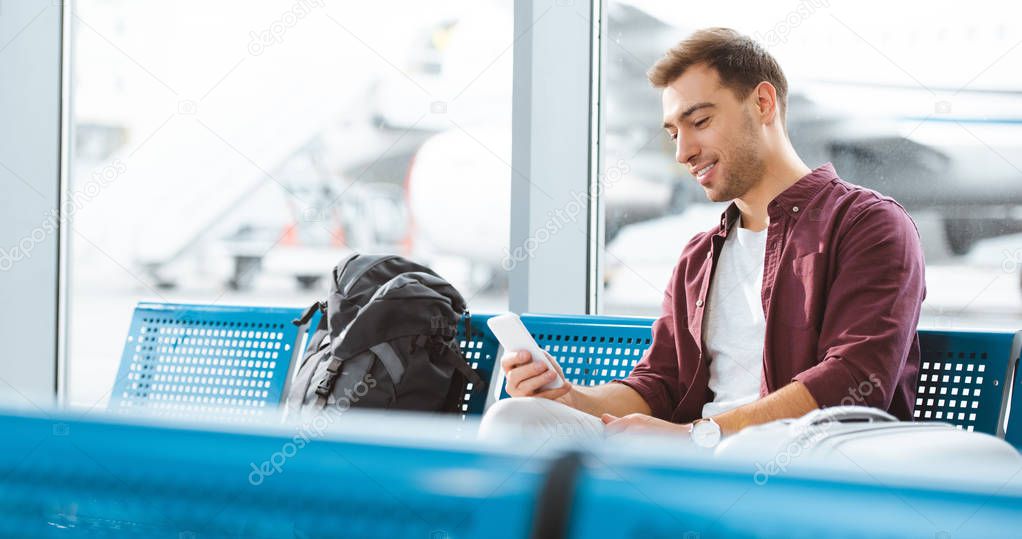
740,62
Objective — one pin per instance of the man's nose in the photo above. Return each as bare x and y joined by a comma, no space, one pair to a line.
685,152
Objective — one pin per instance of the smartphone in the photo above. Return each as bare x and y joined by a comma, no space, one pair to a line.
513,336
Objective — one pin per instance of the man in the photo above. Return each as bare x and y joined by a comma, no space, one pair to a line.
806,294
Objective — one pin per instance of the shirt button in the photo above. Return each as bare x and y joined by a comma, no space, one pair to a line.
699,303
794,209
709,254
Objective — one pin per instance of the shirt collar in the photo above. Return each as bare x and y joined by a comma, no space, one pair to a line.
793,201
728,218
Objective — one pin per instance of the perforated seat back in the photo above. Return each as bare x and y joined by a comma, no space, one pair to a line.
592,350
234,362
964,378
214,360
481,353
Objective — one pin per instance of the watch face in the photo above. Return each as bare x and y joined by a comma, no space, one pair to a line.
706,433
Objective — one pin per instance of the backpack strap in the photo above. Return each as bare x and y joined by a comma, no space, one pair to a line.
457,359
455,398
295,386
390,360
322,332
309,313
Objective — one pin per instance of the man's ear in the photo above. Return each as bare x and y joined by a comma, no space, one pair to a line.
765,96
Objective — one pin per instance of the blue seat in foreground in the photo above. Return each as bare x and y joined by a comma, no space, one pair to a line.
62,476
619,495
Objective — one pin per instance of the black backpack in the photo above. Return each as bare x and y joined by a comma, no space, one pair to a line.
387,339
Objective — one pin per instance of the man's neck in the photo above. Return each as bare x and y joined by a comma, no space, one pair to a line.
778,176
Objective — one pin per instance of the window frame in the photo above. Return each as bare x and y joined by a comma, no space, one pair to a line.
555,264
33,150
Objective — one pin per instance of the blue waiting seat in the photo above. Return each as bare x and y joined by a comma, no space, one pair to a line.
64,476
234,361
1013,424
619,495
965,376
591,349
231,362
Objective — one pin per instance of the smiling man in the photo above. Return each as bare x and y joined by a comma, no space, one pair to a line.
806,294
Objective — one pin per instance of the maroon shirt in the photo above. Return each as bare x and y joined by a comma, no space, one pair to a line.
842,290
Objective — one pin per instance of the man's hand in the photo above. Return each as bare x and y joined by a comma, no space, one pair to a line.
524,378
643,424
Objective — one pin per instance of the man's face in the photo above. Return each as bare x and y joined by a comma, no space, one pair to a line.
717,137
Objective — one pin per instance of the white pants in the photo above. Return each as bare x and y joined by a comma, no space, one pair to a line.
531,417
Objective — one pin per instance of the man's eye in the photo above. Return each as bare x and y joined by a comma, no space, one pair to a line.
674,136
702,122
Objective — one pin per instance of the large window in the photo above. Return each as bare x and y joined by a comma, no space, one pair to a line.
233,152
924,107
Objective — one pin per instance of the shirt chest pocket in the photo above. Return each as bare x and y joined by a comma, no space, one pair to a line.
799,297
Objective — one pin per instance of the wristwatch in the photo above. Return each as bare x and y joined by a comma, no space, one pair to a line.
705,432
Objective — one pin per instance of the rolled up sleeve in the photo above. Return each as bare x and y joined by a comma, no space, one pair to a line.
872,311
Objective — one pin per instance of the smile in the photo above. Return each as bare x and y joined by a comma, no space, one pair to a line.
705,170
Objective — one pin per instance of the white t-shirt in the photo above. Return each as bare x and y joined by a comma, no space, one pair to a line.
734,323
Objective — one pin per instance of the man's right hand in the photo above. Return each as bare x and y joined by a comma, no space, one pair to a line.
524,378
